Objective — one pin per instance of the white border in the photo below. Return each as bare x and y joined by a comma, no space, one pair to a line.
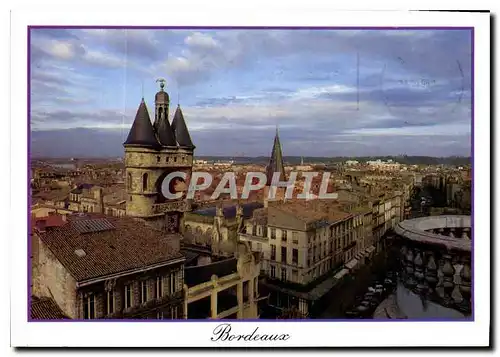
198,334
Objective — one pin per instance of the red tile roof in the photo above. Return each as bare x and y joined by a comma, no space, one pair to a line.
45,308
130,245
42,223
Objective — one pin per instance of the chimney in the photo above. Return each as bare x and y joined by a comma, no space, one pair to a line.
99,197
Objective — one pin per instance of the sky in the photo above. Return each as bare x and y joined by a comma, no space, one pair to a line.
330,92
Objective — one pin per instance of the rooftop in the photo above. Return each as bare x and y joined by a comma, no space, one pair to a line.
230,211
44,308
313,210
108,245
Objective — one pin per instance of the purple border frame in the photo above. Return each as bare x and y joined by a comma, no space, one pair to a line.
340,28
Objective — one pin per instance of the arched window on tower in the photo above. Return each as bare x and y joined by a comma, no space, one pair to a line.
129,181
145,182
160,113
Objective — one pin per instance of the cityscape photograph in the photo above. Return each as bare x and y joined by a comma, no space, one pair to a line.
250,174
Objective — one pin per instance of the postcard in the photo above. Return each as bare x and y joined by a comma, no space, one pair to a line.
308,182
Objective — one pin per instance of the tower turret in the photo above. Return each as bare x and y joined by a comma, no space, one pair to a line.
181,131
151,153
162,102
164,132
142,133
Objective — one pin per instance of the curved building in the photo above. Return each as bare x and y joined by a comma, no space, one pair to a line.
433,265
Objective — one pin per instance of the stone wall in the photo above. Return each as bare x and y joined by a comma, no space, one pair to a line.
53,280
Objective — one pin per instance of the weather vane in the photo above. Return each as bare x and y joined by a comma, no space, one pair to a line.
162,82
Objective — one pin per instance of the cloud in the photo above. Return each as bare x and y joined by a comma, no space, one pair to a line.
329,91
128,44
104,59
198,39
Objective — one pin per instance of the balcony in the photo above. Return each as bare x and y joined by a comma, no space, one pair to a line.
181,206
434,269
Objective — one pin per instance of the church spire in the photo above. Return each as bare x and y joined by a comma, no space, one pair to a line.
276,161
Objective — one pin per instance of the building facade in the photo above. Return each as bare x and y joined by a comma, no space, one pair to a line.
95,267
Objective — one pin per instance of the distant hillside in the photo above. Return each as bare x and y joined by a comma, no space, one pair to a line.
295,160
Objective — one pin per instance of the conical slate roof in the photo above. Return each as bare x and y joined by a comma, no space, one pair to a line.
165,133
275,162
180,130
142,133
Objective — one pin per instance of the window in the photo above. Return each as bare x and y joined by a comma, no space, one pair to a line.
157,159
159,287
175,159
283,274
273,252
128,296
273,233
145,182
174,312
273,271
246,291
173,287
254,230
295,238
283,235
159,315
295,276
129,181
283,254
110,302
89,307
144,291
295,256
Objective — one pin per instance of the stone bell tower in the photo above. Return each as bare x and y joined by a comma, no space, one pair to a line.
152,151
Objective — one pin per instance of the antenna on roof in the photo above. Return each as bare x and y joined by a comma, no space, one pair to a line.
142,89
